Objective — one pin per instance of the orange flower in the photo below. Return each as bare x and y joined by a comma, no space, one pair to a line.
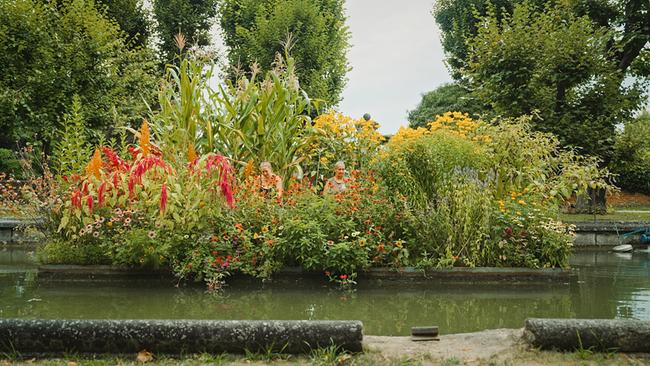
191,153
248,170
94,165
145,143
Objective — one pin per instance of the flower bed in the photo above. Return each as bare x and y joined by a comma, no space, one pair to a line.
185,194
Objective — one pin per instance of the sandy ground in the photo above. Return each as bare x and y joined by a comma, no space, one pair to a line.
466,347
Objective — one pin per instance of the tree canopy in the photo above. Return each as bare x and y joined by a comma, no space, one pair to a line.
255,31
450,97
49,52
627,23
551,62
132,18
192,18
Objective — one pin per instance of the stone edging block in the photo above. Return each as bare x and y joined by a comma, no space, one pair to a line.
90,337
593,334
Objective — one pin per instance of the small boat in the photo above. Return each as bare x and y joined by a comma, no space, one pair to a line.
623,248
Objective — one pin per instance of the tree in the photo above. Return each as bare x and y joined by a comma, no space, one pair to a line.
632,155
192,18
450,97
552,63
49,52
628,23
255,31
132,19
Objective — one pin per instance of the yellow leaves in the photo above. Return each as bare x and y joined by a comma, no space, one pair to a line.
144,356
145,139
94,165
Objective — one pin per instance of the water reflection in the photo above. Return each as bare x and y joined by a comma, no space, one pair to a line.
606,286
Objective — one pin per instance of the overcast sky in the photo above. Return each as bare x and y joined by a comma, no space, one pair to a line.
395,56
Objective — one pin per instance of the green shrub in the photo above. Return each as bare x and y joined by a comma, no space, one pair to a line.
60,251
9,163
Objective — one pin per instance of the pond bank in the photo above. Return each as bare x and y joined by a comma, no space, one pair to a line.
490,347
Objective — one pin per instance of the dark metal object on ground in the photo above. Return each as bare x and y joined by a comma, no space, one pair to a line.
424,333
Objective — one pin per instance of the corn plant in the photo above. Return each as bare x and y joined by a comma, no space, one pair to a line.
262,119
255,118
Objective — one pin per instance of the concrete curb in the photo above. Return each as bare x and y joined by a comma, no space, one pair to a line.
591,334
47,338
405,274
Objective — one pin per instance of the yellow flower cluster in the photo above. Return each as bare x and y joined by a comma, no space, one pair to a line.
344,138
456,123
406,134
338,125
459,124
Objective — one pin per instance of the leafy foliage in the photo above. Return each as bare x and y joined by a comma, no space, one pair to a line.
71,149
315,31
624,21
191,18
50,51
459,22
257,118
448,97
632,162
132,18
551,62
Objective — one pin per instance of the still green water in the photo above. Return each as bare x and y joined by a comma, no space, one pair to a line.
606,286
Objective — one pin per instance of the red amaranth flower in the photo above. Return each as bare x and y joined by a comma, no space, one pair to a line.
100,194
114,161
89,202
76,198
163,197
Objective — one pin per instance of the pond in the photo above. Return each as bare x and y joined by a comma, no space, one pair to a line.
606,286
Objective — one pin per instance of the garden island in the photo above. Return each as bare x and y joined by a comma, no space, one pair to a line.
152,159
